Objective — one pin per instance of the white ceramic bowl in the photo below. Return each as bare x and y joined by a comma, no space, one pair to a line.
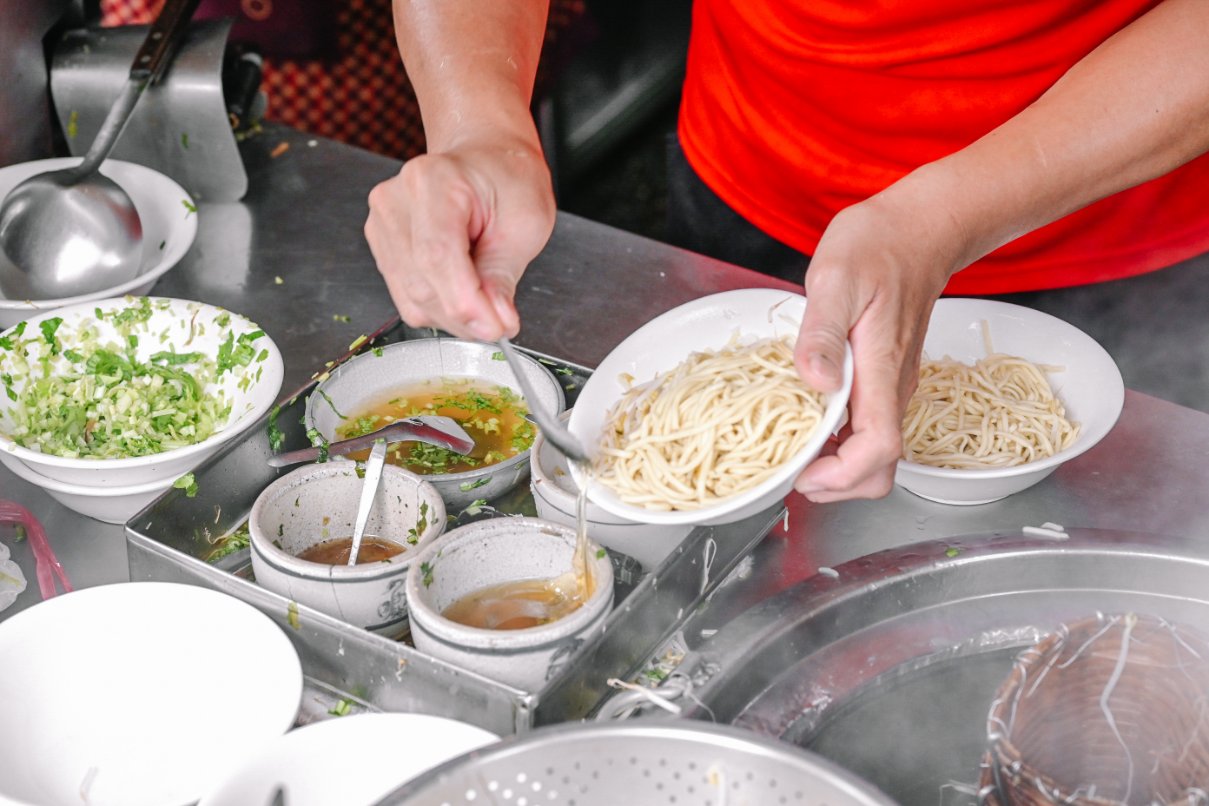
319,502
376,376
708,323
108,504
1089,386
182,325
493,552
166,212
138,693
556,497
312,763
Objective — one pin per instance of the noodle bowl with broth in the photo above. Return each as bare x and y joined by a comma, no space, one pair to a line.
715,421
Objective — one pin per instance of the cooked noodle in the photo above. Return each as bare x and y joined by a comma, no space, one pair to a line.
999,412
714,426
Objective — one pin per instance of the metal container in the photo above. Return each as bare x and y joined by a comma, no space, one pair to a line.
889,668
176,538
644,764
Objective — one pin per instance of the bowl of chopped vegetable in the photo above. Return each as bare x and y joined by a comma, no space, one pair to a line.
129,391
467,380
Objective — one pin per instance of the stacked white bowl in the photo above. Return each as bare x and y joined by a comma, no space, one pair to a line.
55,343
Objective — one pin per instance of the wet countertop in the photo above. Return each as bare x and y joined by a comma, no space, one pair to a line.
292,257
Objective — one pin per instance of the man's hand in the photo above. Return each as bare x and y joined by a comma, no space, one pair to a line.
453,232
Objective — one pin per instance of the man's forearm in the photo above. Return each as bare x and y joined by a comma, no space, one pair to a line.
1133,109
472,64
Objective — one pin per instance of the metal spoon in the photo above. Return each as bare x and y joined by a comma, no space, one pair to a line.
75,231
369,491
555,433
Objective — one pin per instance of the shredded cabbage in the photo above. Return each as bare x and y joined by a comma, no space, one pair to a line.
88,398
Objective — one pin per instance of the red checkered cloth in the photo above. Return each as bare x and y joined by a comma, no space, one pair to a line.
356,90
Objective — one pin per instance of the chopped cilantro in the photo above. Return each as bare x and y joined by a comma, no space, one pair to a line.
49,327
600,554
190,207
185,140
952,552
467,486
426,568
498,356
276,437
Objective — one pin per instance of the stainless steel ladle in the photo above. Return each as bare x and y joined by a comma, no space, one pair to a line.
75,231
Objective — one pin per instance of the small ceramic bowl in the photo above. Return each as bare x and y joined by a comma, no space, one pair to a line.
1089,385
493,552
319,502
556,495
116,504
379,375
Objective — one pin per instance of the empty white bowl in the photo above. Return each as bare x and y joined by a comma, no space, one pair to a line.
116,504
181,325
352,760
138,694
708,323
556,496
379,375
1089,386
493,552
166,212
319,502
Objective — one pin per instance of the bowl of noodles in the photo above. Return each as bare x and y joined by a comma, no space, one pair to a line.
1006,395
699,416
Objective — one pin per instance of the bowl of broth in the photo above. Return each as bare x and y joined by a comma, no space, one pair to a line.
301,530
468,381
504,597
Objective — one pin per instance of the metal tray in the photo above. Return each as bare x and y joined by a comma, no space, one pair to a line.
183,539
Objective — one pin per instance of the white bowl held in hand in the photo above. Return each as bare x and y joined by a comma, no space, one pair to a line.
138,694
248,363
706,324
167,214
352,760
1089,385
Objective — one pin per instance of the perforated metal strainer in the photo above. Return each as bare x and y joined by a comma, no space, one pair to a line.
638,764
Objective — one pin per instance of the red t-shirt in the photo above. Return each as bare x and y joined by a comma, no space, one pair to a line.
795,109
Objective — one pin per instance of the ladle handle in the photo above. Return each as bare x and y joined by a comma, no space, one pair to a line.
158,48
163,39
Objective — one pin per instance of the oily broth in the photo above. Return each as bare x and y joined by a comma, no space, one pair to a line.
531,602
336,551
494,416
513,605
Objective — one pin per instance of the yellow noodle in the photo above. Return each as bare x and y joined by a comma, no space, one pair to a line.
998,412
714,426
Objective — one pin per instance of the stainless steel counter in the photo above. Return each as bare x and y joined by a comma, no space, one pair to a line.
301,223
